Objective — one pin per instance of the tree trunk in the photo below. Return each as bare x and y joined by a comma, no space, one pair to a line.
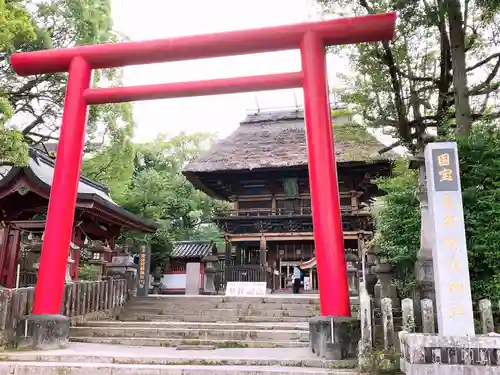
457,40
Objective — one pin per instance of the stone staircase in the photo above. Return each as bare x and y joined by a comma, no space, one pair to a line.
190,335
215,321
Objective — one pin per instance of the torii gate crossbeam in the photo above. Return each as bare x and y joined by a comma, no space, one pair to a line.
311,38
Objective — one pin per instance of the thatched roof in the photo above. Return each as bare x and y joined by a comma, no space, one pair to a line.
278,140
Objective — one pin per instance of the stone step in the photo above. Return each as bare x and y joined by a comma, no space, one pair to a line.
190,333
224,306
130,316
95,353
222,313
302,326
201,300
175,342
77,368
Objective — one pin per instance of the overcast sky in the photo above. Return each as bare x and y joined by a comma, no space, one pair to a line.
153,19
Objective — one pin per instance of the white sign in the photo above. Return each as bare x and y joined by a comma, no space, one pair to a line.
307,283
246,289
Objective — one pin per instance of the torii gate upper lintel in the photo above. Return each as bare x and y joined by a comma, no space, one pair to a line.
311,38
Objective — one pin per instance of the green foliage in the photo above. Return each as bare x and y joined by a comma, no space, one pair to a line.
113,164
409,83
341,112
397,218
208,232
397,222
480,171
34,104
147,181
14,151
440,71
88,272
15,24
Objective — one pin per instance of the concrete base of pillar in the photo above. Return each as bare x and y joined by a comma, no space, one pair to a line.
346,334
42,332
438,355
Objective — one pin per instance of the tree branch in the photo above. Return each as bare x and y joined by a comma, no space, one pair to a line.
485,87
486,116
482,62
412,77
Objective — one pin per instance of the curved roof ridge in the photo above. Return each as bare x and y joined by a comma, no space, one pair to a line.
49,161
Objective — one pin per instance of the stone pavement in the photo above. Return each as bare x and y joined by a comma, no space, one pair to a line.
103,359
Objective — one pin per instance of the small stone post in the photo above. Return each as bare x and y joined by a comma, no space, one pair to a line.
157,275
352,274
388,324
68,278
486,312
365,344
408,315
383,288
427,307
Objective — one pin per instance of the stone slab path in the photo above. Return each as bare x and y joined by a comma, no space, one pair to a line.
102,359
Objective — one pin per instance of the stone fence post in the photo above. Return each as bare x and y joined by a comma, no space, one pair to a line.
428,317
366,342
408,315
388,324
486,313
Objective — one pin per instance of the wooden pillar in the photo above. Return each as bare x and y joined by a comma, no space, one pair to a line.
75,254
354,199
362,258
273,205
361,245
13,249
237,259
4,243
263,256
228,257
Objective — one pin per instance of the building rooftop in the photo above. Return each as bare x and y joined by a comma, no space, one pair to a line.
193,249
278,140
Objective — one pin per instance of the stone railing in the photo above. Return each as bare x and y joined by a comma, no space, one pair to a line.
424,351
83,300
383,349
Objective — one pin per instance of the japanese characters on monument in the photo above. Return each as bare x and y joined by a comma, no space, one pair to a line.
144,263
451,267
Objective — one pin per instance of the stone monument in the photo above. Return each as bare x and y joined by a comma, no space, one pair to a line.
193,278
455,349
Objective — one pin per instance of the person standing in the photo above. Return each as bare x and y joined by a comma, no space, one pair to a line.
297,274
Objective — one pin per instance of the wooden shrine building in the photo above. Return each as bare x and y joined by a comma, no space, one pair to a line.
24,195
262,169
184,252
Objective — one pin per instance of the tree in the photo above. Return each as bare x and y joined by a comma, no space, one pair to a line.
15,27
397,220
159,191
480,168
33,105
439,71
113,164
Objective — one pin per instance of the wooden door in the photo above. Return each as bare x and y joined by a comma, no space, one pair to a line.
9,256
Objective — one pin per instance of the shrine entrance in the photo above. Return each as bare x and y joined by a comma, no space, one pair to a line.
311,38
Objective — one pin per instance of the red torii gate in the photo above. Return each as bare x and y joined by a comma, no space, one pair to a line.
311,38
